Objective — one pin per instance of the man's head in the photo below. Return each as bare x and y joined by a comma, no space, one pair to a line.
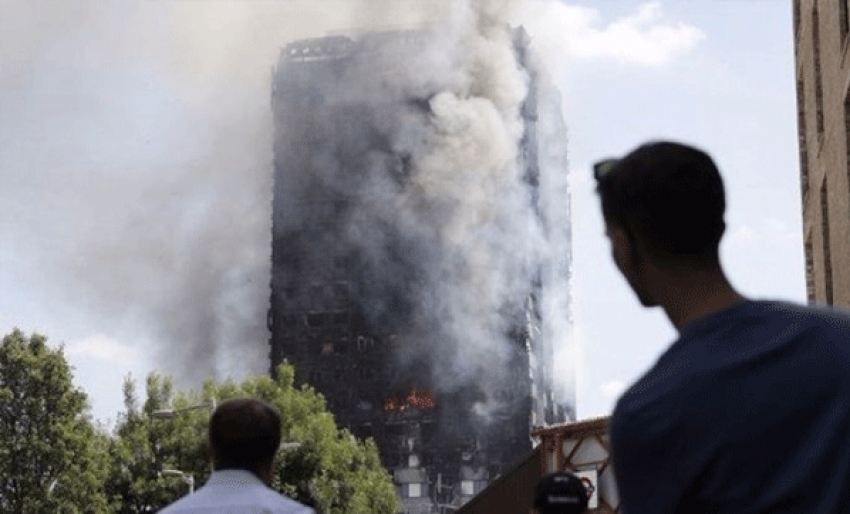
663,205
560,493
244,434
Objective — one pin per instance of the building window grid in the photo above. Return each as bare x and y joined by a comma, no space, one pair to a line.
810,269
801,134
796,18
818,76
825,236
847,136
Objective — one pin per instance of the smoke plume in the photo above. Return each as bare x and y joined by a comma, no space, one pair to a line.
137,139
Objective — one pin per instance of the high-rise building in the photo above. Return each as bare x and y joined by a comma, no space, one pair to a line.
379,296
821,35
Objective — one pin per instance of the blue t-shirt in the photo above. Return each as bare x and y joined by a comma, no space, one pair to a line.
747,412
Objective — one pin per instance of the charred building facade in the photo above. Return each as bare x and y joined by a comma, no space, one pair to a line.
407,276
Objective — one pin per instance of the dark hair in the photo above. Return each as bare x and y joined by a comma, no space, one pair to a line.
560,493
244,434
667,194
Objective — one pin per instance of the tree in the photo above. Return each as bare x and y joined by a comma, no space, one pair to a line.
331,469
51,454
136,452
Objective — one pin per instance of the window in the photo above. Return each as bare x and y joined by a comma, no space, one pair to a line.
818,77
340,293
341,319
810,269
801,136
342,346
827,257
365,431
364,343
847,132
316,296
414,490
367,372
467,487
314,319
796,17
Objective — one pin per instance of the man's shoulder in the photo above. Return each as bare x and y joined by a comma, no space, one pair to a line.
784,322
261,503
689,364
836,317
280,504
248,498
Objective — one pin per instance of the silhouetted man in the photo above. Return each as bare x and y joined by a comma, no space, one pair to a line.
244,436
560,493
749,409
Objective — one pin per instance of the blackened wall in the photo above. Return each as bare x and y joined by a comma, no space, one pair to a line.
353,303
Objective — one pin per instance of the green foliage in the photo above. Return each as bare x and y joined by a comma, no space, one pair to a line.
139,446
330,470
52,458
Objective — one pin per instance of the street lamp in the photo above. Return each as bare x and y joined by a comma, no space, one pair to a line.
187,477
170,413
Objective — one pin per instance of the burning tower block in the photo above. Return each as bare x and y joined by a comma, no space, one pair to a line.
413,257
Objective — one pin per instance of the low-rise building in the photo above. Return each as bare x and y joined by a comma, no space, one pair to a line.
581,447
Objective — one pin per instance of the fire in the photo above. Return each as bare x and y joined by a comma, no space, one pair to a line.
417,398
420,398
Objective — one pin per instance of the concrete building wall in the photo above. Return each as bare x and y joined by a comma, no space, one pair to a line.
822,31
512,493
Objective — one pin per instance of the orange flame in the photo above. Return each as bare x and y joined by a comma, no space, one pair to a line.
417,398
420,398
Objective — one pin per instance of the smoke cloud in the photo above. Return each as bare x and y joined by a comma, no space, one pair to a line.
136,173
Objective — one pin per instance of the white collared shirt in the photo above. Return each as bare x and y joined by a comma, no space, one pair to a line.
235,491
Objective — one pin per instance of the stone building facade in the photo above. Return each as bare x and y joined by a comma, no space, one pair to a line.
821,35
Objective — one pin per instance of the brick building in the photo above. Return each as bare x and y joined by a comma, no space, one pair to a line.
821,30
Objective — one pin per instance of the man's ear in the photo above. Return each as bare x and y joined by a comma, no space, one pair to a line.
618,235
622,246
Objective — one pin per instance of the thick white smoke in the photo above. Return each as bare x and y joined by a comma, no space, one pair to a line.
142,132
472,168
451,238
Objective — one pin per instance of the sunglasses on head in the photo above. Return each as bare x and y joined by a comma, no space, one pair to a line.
604,168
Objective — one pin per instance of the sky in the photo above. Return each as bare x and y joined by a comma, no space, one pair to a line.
113,98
